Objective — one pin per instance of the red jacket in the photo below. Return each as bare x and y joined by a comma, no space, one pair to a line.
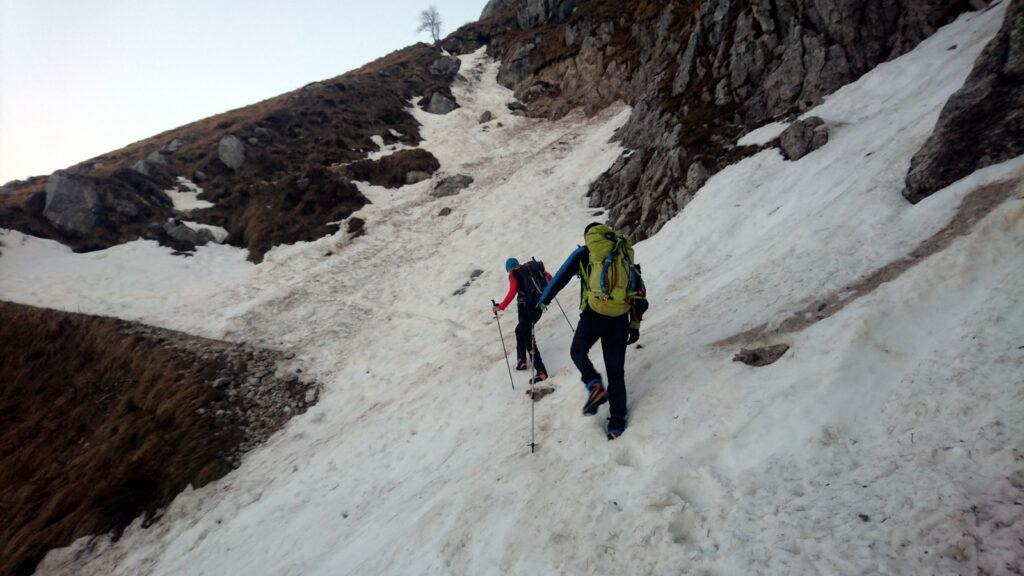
513,288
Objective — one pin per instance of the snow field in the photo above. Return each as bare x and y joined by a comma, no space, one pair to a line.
880,443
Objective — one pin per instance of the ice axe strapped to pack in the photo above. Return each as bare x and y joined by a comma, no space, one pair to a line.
611,278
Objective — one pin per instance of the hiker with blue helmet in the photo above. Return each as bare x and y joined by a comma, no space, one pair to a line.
525,283
612,303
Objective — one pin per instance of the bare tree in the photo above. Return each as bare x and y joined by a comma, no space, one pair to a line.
430,21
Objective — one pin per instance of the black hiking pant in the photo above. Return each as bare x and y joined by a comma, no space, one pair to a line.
612,333
528,316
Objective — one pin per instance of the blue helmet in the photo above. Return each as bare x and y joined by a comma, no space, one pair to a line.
510,264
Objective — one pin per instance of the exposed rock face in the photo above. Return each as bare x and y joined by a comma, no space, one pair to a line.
698,75
440,104
494,6
79,205
535,12
231,151
451,185
517,69
982,123
696,176
72,205
803,137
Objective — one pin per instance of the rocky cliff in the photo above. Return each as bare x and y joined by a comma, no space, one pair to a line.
983,123
698,74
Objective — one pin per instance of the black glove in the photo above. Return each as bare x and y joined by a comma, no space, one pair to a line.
632,336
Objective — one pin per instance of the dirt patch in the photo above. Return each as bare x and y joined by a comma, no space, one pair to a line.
975,206
758,357
539,392
394,170
103,420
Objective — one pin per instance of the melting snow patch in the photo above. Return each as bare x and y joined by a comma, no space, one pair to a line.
187,200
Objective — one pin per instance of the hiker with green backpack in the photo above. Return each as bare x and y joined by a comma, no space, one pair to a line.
612,303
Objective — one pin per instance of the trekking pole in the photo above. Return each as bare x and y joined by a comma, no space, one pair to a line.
533,377
566,316
503,349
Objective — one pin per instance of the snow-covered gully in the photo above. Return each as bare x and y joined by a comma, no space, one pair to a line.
888,440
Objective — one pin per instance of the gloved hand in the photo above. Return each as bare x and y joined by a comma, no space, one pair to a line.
543,307
632,335
495,309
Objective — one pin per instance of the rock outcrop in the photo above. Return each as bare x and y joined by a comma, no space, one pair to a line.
249,161
698,75
982,123
83,206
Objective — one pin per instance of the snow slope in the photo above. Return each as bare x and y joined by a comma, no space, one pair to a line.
881,443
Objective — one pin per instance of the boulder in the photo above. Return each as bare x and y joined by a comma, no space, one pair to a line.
445,67
157,157
181,232
173,146
803,137
198,176
486,117
231,151
440,104
445,211
141,167
451,185
73,205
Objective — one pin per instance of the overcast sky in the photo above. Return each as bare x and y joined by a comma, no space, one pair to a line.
82,77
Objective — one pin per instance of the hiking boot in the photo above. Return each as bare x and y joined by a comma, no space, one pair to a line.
540,376
598,395
521,365
616,426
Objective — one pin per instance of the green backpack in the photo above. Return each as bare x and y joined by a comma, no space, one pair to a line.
610,279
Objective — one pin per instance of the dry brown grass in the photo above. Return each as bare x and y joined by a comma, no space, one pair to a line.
99,424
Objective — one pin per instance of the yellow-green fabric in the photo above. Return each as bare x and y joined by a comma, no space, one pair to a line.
612,294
